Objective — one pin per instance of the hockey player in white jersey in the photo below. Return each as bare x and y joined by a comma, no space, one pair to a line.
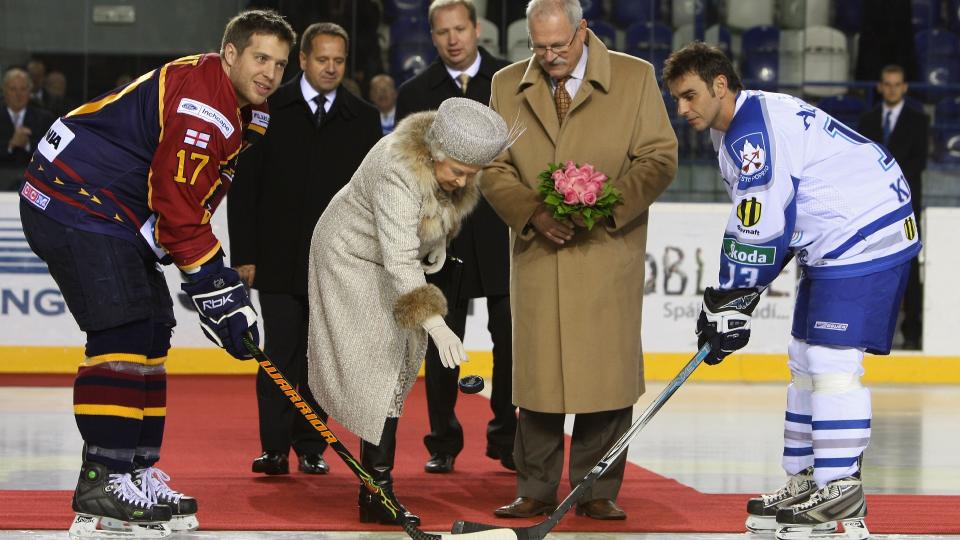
808,187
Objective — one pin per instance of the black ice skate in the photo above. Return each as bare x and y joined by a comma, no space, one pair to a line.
153,483
762,510
840,500
104,495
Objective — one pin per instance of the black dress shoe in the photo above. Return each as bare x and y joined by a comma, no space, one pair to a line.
439,463
505,457
313,464
270,463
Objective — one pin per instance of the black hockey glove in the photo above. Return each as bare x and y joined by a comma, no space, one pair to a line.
222,302
725,321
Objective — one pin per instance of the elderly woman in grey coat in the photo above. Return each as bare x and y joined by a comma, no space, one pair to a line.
371,309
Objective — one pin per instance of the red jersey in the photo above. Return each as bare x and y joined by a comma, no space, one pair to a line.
150,161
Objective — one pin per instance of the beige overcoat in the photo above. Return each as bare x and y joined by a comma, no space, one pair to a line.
577,308
368,295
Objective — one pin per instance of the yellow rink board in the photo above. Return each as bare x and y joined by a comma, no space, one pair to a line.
896,368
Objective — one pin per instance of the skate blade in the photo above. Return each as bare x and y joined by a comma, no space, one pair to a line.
761,524
184,523
86,526
768,525
852,529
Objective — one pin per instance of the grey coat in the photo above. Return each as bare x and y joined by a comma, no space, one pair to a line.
368,295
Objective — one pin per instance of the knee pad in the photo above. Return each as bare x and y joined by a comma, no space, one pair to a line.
797,357
826,360
801,381
836,383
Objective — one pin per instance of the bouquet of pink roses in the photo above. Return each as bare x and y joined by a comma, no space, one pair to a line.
578,190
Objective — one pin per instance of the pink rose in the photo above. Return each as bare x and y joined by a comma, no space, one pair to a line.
588,198
570,196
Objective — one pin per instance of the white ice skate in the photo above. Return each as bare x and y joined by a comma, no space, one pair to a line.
153,482
840,500
109,505
762,510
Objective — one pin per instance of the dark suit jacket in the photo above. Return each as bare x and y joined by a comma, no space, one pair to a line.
284,182
908,144
12,164
484,241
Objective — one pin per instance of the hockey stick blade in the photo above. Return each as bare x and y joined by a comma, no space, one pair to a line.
540,530
386,500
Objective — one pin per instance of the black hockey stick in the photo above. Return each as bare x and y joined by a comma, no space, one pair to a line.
386,500
538,531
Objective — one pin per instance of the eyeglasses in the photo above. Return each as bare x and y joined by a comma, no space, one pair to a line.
541,50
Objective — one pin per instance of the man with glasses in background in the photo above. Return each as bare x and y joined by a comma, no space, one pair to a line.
577,294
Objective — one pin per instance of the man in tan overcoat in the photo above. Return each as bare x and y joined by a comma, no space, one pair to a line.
576,294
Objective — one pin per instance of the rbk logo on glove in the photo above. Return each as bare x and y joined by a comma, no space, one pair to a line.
226,314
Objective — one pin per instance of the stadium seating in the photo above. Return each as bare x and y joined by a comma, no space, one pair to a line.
938,61
606,32
798,14
744,14
518,46
760,63
685,11
715,35
946,131
489,36
650,41
410,57
397,9
847,16
925,14
825,59
592,9
844,108
627,13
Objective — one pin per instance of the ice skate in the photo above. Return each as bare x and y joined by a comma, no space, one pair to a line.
153,482
762,510
840,500
102,495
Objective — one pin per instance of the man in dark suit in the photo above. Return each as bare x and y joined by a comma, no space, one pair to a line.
464,69
319,133
22,125
903,130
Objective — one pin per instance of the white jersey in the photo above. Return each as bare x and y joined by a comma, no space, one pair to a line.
804,183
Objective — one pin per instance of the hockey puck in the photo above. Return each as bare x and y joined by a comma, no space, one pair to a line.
471,384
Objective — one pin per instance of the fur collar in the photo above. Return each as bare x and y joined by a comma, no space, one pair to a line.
441,213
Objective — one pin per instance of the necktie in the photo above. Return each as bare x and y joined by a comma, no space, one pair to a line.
321,112
562,99
886,128
464,81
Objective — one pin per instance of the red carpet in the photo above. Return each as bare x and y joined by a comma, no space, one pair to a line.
212,437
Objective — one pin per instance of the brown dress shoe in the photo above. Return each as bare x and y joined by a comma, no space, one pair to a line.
601,509
524,507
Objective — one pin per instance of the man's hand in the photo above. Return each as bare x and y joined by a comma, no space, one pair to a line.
226,314
725,321
247,273
558,232
20,138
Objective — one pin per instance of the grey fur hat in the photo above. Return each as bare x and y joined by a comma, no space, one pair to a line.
470,132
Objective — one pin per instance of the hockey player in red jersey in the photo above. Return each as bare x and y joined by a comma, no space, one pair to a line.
116,186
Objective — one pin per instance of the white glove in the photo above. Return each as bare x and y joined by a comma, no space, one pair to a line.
448,344
434,260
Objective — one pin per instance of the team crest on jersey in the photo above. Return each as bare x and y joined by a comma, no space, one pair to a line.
748,211
753,155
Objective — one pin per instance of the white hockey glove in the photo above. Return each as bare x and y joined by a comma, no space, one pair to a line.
725,321
434,260
448,344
